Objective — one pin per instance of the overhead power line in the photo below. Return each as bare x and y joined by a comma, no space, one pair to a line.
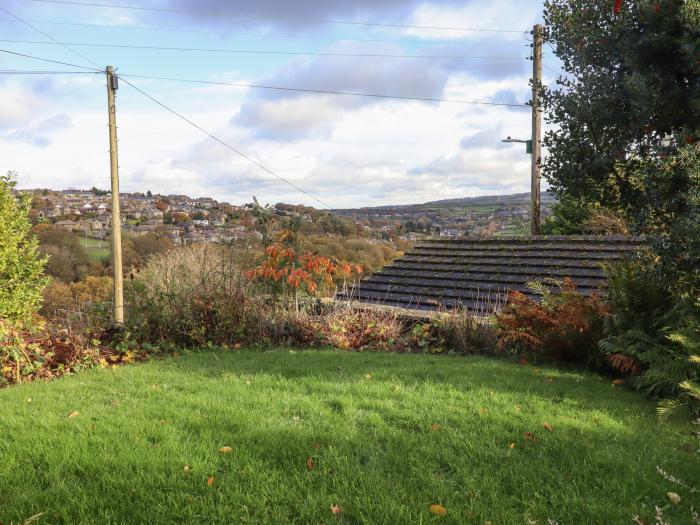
26,72
284,36
322,91
261,51
225,144
341,22
76,53
49,61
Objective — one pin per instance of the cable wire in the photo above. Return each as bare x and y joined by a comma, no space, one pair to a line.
217,139
322,91
210,135
273,35
342,22
262,51
25,72
279,88
65,46
50,61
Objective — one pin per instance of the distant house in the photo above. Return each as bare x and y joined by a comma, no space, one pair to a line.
217,219
151,212
450,232
66,225
192,238
50,213
201,222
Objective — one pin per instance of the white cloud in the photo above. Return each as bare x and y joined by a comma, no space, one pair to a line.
348,151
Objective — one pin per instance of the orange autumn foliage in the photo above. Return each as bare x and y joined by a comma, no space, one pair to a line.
564,325
286,268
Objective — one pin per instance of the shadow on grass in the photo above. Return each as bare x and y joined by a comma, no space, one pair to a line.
589,391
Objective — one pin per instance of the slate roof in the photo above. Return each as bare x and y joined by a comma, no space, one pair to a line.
477,272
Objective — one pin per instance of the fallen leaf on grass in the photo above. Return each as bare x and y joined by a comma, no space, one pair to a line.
617,382
368,376
186,469
438,510
673,498
547,426
336,509
225,450
435,426
483,410
310,464
518,408
210,481
512,445
529,436
73,414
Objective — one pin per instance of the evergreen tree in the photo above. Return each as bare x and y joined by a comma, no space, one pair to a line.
21,266
630,95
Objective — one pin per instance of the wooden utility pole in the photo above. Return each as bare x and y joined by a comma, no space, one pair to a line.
116,216
535,212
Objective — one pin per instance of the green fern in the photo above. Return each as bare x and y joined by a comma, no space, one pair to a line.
658,329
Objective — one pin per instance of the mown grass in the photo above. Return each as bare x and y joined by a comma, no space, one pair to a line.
388,436
96,250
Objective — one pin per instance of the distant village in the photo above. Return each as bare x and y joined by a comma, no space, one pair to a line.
185,220
189,220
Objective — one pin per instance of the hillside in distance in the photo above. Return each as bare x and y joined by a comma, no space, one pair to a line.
493,214
522,199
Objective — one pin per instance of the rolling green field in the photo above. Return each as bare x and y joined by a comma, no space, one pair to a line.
97,250
377,437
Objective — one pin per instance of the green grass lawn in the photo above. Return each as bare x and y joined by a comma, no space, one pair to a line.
388,436
97,250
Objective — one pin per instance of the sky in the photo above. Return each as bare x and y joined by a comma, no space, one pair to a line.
342,151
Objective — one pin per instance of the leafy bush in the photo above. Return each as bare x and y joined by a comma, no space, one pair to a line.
654,335
464,333
349,328
21,265
81,305
564,326
42,353
194,295
286,271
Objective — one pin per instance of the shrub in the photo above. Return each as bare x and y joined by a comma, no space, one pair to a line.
350,328
194,295
653,334
563,326
462,332
285,272
21,265
82,305
42,353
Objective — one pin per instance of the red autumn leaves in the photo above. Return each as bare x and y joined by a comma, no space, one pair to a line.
617,7
305,270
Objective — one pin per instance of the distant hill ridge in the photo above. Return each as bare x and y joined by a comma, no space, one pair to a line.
515,199
490,200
